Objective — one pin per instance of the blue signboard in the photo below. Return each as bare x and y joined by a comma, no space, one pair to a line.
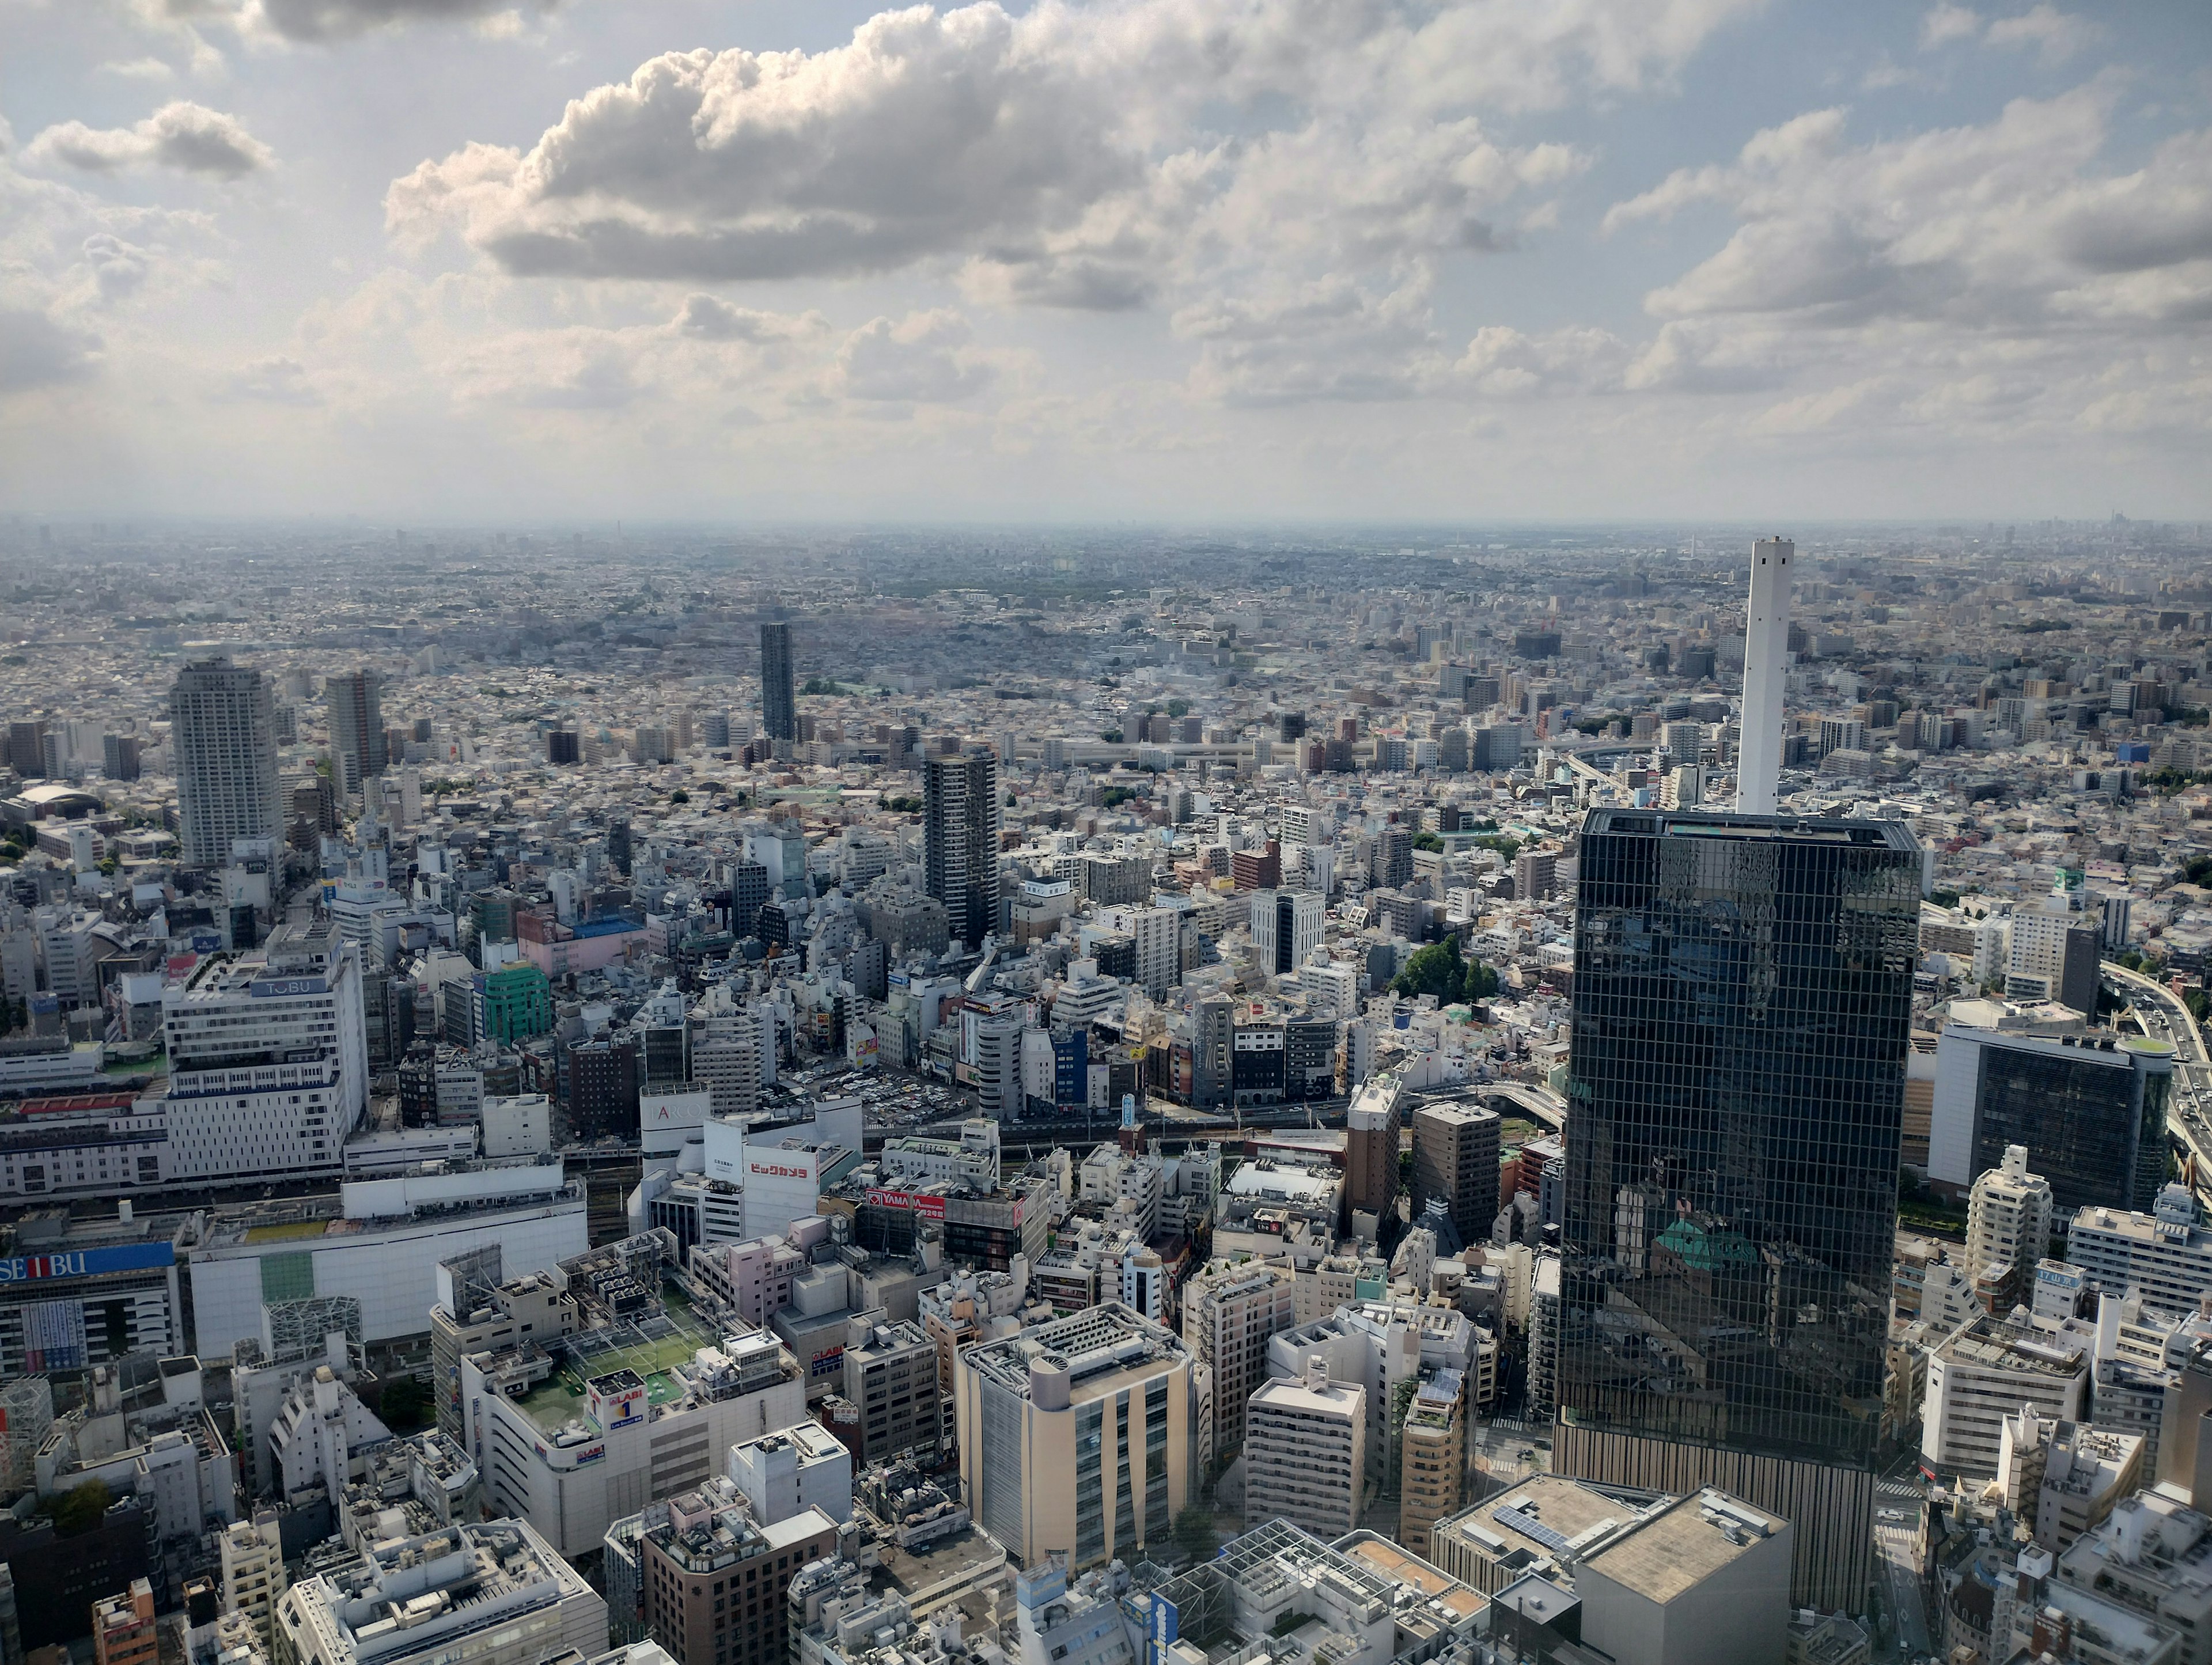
86,1262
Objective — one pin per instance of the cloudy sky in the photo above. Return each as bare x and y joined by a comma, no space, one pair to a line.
1128,259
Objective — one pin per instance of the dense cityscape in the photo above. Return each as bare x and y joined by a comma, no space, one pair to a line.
1488,1095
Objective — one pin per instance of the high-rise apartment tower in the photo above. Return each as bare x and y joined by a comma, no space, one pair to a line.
960,841
778,707
358,747
223,735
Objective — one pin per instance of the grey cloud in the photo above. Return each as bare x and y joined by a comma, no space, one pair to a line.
917,360
188,137
36,351
309,21
119,269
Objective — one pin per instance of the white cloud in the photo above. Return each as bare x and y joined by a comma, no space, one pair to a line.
1060,157
2056,35
2043,28
1985,226
139,69
1946,23
186,137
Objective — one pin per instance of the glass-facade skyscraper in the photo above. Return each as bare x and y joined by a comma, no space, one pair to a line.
778,707
1742,998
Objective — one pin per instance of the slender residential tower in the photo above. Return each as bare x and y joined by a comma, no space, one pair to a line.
779,710
1765,666
223,734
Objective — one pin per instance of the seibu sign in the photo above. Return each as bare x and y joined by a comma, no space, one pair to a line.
86,1262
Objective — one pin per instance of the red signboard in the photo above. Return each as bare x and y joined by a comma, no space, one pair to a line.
917,1202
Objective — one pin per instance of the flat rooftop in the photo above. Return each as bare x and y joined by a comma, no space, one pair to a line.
1678,1546
1792,828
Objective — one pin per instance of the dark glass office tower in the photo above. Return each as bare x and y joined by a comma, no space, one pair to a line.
1742,993
960,841
778,707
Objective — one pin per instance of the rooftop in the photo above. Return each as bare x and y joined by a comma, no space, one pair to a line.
1676,1548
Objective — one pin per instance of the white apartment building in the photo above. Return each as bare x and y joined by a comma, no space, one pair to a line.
2009,1217
251,1557
268,1059
793,1470
1305,915
1305,1452
1110,1176
222,743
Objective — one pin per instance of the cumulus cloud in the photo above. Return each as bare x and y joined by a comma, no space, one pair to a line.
1062,157
186,137
924,358
2003,225
36,350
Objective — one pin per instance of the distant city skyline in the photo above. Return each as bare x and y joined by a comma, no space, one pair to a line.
441,260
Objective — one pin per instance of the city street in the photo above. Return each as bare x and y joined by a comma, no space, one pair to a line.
1898,1501
2166,1018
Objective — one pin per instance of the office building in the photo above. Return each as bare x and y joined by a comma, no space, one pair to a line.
1370,1147
1986,1370
1105,1396
1305,1452
222,739
268,1059
123,1628
493,1593
1229,1308
1742,995
890,1381
358,747
716,1583
2153,1557
1455,1161
2090,1109
960,841
2062,1479
1286,926
778,705
1704,1581
119,757
1766,674
2166,1255
2009,1226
